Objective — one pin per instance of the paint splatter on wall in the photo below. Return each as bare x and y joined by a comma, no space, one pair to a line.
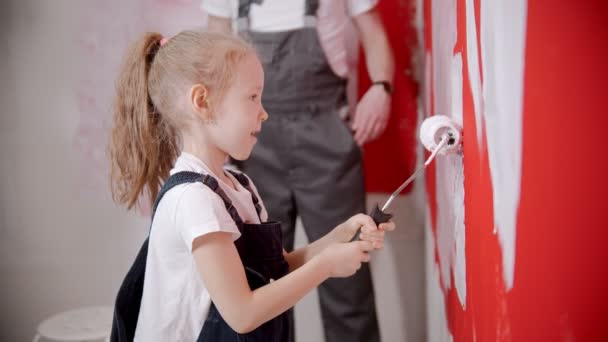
516,223
103,46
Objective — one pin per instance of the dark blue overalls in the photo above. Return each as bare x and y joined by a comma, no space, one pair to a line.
260,248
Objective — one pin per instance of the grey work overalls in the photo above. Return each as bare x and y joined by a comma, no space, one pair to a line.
306,162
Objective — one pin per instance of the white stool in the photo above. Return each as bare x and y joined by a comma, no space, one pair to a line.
85,324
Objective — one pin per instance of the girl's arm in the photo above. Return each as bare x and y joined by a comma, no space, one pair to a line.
302,255
244,310
341,233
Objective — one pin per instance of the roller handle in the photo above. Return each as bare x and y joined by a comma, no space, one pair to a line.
378,216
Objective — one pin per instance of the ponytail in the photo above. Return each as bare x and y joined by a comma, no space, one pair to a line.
143,144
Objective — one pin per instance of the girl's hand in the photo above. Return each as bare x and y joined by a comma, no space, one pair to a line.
350,227
344,259
376,237
369,231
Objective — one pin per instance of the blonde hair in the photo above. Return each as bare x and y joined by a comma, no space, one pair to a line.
145,138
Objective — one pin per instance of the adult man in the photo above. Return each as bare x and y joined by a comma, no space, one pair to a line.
307,161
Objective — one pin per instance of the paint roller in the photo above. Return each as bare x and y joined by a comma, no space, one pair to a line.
440,135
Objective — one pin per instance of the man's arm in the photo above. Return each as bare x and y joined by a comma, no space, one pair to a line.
373,110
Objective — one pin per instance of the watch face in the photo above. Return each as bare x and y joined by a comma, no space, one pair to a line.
388,87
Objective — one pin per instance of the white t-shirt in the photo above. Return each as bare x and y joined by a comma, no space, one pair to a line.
333,24
175,301
278,15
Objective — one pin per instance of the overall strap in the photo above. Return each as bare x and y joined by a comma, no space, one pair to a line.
212,183
311,7
175,180
191,177
244,180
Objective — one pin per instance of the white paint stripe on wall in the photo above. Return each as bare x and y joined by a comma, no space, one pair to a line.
473,69
447,77
444,38
450,197
457,176
437,324
503,29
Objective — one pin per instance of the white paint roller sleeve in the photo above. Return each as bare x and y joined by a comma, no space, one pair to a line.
435,128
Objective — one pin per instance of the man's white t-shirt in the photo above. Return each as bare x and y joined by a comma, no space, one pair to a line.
279,15
175,300
333,24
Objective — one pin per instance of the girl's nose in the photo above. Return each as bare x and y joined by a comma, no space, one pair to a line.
264,115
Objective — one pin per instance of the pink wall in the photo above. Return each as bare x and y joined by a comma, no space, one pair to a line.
517,221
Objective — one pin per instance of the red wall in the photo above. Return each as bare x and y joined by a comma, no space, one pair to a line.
561,250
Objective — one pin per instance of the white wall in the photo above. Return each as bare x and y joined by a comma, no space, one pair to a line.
63,242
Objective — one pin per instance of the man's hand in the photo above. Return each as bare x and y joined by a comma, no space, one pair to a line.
371,115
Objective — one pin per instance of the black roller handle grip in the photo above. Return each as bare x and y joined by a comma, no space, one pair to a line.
378,216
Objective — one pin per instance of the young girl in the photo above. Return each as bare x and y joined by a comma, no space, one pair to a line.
213,270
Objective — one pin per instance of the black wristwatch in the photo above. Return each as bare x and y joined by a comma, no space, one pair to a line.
388,87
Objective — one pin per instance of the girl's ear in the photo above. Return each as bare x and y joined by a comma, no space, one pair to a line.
199,101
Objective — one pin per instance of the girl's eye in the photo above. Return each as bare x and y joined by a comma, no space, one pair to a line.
253,97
